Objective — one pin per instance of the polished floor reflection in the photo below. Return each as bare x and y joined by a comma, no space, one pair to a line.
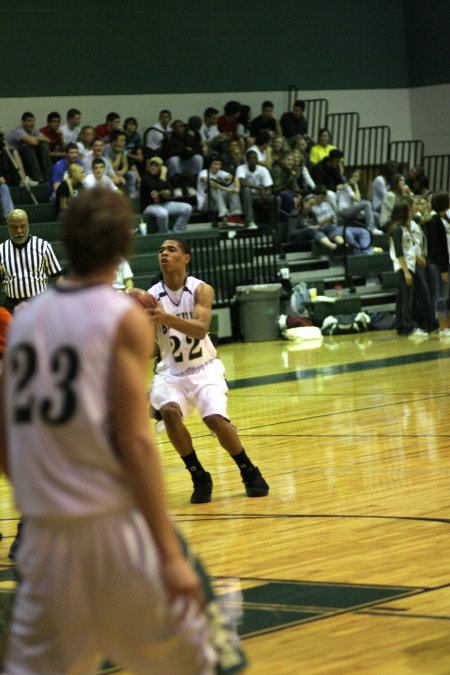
344,566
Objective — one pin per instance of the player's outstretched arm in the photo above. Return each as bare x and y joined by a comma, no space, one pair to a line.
139,455
198,326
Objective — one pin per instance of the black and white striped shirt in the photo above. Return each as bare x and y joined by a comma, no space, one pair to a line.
25,269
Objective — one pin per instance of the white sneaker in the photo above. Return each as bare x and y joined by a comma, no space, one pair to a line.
376,232
29,181
192,192
418,332
178,192
252,226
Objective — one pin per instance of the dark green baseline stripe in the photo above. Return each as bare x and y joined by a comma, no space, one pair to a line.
358,366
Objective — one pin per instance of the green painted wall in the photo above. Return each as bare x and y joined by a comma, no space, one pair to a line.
427,26
81,48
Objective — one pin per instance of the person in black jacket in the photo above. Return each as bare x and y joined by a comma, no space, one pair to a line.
182,151
156,198
438,233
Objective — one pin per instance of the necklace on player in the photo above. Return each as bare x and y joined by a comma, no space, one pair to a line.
175,298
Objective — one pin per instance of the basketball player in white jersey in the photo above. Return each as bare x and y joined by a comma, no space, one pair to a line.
100,564
188,374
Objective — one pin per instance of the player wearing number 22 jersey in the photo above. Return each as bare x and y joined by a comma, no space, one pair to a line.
189,375
180,352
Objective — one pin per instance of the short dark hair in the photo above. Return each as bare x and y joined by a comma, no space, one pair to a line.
165,111
72,112
232,107
182,243
322,131
111,116
26,115
209,112
251,152
267,104
440,201
262,137
53,116
71,146
131,120
300,104
97,229
320,190
115,135
98,160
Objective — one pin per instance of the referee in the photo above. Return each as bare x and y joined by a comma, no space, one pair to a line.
26,262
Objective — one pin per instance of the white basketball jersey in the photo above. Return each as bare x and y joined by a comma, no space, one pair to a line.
60,428
178,351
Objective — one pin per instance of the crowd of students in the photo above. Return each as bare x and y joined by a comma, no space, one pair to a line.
243,168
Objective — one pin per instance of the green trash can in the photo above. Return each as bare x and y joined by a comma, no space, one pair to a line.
259,310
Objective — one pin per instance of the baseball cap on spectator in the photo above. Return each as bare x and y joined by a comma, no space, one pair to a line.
156,160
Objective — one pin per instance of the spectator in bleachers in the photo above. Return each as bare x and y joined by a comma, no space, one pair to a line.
232,157
306,228
32,148
84,142
263,149
243,126
223,190
300,143
285,185
227,123
123,278
112,123
350,206
71,128
55,138
133,144
326,217
438,235
330,172
98,149
266,121
156,199
183,153
417,181
294,123
117,155
322,148
60,168
279,147
5,198
381,183
68,189
155,136
301,172
398,190
209,131
98,177
255,188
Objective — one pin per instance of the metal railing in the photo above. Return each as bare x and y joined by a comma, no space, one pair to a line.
370,147
406,153
344,133
437,168
246,259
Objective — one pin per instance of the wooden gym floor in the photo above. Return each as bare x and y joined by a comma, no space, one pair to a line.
344,567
